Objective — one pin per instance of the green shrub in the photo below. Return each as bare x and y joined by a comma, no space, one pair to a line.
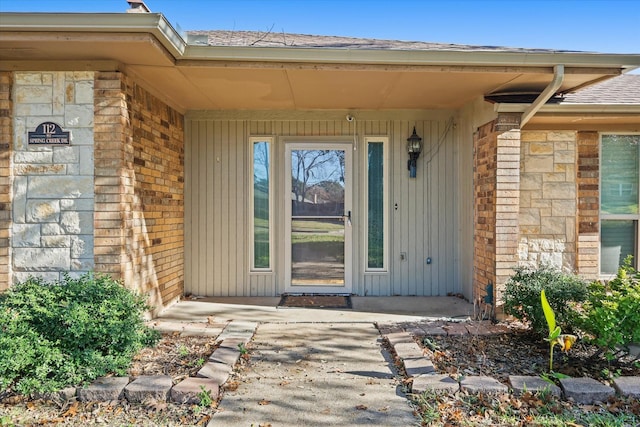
563,291
54,335
611,315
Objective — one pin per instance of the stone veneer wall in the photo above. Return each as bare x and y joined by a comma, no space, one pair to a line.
6,138
548,200
139,188
496,182
52,229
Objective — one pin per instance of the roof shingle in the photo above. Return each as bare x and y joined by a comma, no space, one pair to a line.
623,89
275,39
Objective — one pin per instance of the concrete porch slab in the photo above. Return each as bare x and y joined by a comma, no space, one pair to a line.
365,310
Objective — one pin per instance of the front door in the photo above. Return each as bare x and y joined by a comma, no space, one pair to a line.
319,220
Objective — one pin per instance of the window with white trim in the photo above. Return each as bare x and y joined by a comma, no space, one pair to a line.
377,200
261,203
619,200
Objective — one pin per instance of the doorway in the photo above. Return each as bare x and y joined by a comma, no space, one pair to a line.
319,220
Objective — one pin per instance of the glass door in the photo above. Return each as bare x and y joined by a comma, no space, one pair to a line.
319,220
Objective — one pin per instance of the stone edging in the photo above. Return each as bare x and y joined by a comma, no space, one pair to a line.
421,369
212,376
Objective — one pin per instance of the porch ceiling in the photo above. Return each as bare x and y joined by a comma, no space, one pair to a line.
222,78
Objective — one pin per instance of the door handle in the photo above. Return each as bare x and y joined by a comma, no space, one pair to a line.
347,218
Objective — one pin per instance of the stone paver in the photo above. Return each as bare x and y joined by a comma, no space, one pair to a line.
406,350
627,386
418,366
228,356
103,389
190,389
435,382
218,372
234,343
434,330
400,337
148,387
585,390
475,384
58,396
521,384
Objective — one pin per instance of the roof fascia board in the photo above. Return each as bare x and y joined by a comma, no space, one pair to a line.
391,56
153,23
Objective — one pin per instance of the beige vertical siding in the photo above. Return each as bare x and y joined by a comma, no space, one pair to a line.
426,223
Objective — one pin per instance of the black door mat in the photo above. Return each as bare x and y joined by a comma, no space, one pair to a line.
315,301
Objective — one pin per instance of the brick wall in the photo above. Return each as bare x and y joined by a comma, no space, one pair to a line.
588,181
496,187
507,207
484,254
139,189
548,200
6,137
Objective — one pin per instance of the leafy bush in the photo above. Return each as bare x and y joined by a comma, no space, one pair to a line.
54,335
611,315
563,291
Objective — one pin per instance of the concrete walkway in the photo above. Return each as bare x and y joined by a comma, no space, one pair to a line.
314,367
316,375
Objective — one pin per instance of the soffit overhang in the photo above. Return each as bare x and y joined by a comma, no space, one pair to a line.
284,78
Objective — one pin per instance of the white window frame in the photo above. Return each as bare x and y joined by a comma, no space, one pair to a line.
385,202
613,217
252,141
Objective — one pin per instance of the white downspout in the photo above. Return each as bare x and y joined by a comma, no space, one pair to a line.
548,92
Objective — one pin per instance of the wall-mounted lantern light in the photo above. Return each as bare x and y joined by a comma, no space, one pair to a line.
414,147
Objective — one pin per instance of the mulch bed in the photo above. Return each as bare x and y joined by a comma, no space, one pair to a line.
520,353
174,355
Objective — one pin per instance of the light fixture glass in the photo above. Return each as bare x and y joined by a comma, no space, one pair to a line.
414,148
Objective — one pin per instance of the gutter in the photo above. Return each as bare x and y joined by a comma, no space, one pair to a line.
572,109
548,92
156,24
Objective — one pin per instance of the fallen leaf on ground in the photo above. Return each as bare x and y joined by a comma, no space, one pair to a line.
264,402
231,385
203,420
72,411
